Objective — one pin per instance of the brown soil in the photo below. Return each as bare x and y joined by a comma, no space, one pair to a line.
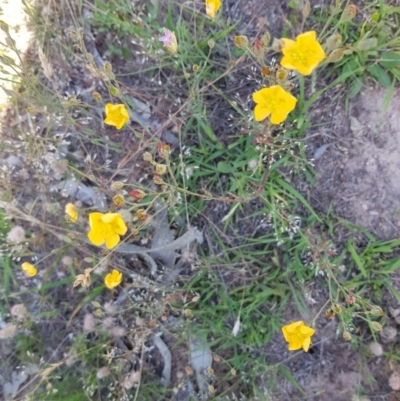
358,172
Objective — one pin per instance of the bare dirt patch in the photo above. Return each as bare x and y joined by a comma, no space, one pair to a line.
358,172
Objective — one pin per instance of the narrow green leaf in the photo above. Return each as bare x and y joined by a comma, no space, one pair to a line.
297,195
354,88
356,258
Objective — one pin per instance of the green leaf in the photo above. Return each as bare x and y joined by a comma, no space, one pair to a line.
225,168
380,75
354,88
390,60
356,258
297,195
367,44
208,130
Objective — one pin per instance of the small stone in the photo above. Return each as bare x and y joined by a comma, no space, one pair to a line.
117,331
8,331
19,311
394,312
376,348
67,260
108,322
133,379
103,372
89,322
394,381
388,334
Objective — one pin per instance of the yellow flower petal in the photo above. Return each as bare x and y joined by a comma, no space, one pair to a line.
212,6
261,112
288,43
29,269
260,96
275,101
112,241
109,108
307,331
94,219
119,225
115,222
294,345
109,217
278,117
96,237
72,212
113,279
304,54
306,344
291,328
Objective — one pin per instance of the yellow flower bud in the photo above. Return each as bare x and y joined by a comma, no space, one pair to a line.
117,185
346,336
115,91
265,39
97,97
118,200
137,194
107,67
376,326
161,169
141,214
241,42
29,269
158,180
348,14
376,311
147,157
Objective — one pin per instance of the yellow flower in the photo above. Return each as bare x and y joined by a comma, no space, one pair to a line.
274,101
298,335
302,55
113,279
71,212
29,269
106,228
212,6
116,115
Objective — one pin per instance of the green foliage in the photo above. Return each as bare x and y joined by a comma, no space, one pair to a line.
371,47
265,248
